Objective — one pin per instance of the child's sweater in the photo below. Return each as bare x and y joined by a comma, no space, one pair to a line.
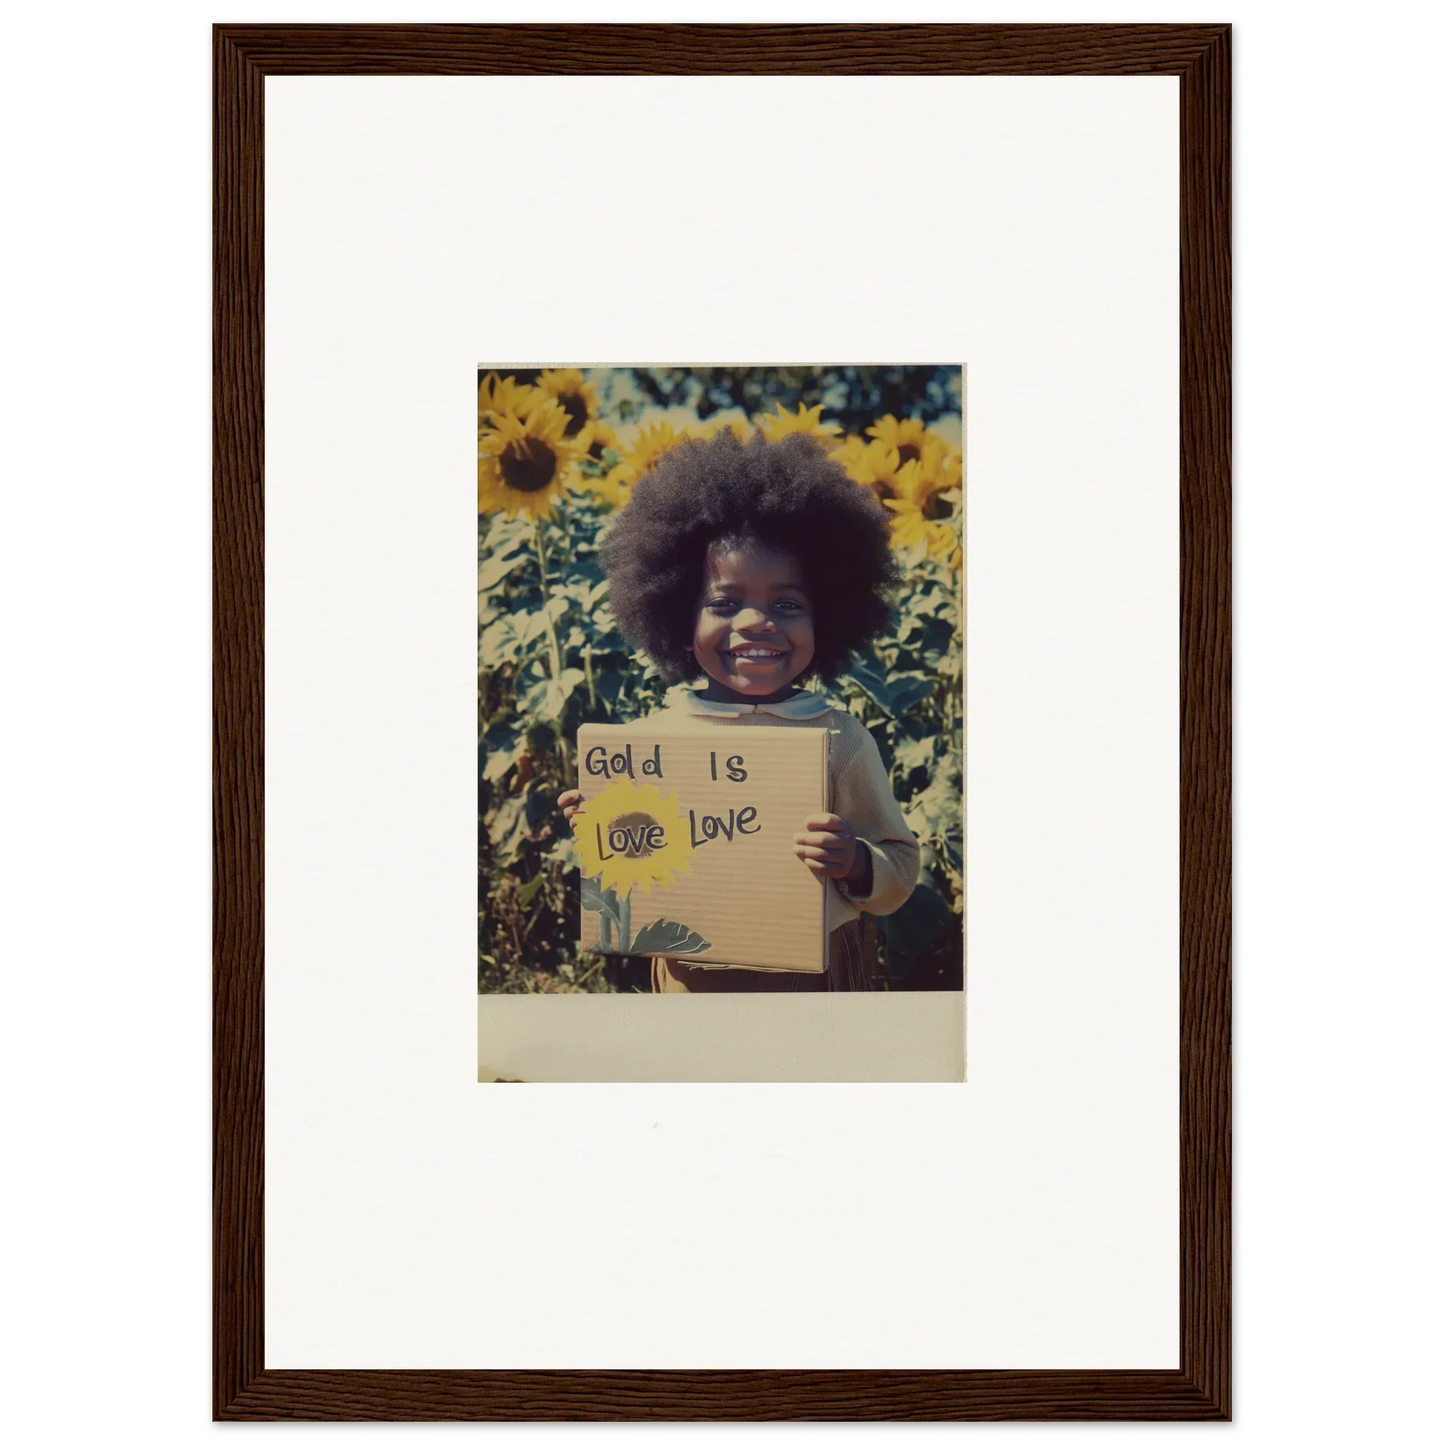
859,790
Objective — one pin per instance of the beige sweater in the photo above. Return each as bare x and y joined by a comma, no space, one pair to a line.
858,789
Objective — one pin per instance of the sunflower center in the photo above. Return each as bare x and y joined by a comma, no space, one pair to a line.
576,410
936,508
882,490
908,453
628,834
527,465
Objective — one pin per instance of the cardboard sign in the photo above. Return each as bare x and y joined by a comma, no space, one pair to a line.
686,843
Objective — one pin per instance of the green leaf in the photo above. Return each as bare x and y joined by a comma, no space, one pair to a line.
882,736
503,819
907,692
929,600
534,700
597,900
530,626
495,570
893,695
554,695
914,753
504,827
498,644
539,807
938,810
506,534
872,680
664,936
498,763
502,731
528,891
918,923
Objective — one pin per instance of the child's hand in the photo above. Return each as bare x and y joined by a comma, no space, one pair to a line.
831,848
569,802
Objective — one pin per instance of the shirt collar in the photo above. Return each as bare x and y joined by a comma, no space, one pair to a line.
805,704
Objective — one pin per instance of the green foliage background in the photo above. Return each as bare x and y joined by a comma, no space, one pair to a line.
549,657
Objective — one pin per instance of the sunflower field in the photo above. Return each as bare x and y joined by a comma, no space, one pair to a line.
558,452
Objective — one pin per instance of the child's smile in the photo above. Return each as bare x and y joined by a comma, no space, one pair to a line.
754,631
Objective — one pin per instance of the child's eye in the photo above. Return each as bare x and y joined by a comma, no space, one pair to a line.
725,604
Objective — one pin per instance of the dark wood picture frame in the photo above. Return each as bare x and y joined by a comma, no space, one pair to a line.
1200,56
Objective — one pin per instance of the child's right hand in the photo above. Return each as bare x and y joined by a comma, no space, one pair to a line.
569,802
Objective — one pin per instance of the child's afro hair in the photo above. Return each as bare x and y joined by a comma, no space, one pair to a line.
784,494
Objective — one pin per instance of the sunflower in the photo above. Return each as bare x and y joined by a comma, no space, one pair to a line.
638,458
614,493
498,394
524,463
630,836
926,510
806,420
870,464
600,438
734,421
907,437
944,545
576,396
910,527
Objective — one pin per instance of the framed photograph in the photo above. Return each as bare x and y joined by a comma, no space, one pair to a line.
846,709
768,779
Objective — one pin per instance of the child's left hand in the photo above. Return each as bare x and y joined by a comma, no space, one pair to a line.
831,848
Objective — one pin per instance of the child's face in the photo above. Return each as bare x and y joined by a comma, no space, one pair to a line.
754,631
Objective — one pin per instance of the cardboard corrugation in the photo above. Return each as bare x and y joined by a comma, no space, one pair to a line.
750,896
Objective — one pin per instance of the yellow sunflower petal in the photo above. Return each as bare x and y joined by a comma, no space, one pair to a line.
498,394
870,464
733,421
907,527
906,437
944,545
807,420
637,456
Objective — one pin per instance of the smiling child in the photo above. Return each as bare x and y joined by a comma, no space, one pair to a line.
747,568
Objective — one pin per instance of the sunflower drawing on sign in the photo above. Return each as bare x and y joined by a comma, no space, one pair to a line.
629,838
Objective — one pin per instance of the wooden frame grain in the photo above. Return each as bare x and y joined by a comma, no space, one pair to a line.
1200,56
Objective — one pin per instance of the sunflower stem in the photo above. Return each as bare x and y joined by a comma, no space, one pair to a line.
554,652
591,973
624,922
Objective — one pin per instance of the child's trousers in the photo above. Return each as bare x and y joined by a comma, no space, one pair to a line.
846,972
